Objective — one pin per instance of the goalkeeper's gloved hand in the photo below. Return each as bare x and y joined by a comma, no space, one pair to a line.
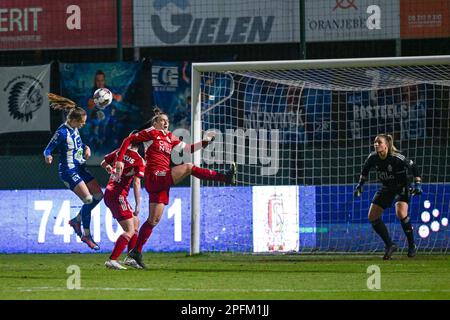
358,190
416,188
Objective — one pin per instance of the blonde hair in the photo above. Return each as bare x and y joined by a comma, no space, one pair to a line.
389,141
60,103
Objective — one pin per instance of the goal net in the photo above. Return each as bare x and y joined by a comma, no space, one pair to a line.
300,132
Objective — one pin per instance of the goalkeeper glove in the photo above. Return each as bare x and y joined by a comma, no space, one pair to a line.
359,187
416,188
358,190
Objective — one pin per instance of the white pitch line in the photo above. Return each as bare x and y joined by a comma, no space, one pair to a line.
32,289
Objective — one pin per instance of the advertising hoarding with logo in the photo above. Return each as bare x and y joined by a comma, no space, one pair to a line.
234,219
47,24
425,19
341,20
23,99
203,22
275,218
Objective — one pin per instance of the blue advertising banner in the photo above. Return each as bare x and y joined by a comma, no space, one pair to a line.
40,221
270,106
236,219
402,111
300,114
104,129
171,82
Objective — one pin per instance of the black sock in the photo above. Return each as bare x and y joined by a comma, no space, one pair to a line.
380,228
408,229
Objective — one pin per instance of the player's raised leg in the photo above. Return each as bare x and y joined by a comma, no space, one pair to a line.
184,170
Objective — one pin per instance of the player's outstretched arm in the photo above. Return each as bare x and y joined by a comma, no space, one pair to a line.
210,137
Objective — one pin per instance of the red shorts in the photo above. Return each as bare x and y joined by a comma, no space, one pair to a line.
158,185
119,206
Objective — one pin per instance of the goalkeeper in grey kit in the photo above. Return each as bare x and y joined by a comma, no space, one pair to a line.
392,171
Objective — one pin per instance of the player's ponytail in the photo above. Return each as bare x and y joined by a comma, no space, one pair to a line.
60,103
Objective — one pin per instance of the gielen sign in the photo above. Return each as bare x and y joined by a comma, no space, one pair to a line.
204,22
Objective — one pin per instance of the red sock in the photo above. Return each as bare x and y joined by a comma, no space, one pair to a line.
132,242
144,234
206,174
120,245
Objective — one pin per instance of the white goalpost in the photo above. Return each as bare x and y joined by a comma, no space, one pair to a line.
299,132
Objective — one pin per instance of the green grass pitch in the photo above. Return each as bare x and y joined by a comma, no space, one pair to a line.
215,276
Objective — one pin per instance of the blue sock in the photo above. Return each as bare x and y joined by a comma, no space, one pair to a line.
86,213
94,204
86,216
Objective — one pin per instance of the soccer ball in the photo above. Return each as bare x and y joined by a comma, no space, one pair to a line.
102,98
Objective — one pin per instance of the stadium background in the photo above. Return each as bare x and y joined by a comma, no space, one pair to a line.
409,28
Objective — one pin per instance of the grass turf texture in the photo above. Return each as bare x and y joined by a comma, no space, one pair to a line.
226,277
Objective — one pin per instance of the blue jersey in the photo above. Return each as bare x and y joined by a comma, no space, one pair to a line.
71,149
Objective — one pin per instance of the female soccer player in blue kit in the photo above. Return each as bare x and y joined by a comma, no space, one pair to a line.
73,154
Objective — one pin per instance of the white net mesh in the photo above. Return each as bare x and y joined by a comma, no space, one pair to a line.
312,129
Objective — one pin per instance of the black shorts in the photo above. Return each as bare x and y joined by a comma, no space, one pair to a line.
385,196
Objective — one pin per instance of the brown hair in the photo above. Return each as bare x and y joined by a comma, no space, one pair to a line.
60,103
157,113
389,141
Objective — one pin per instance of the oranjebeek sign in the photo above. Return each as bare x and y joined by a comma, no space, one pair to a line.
47,24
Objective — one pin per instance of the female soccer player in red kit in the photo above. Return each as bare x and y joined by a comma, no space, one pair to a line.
159,177
116,199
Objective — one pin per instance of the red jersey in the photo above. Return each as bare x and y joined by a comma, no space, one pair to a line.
133,167
158,146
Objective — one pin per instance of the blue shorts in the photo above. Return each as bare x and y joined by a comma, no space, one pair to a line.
73,177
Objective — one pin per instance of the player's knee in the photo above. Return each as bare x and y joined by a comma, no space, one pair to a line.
373,216
154,222
130,233
98,196
88,199
375,221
